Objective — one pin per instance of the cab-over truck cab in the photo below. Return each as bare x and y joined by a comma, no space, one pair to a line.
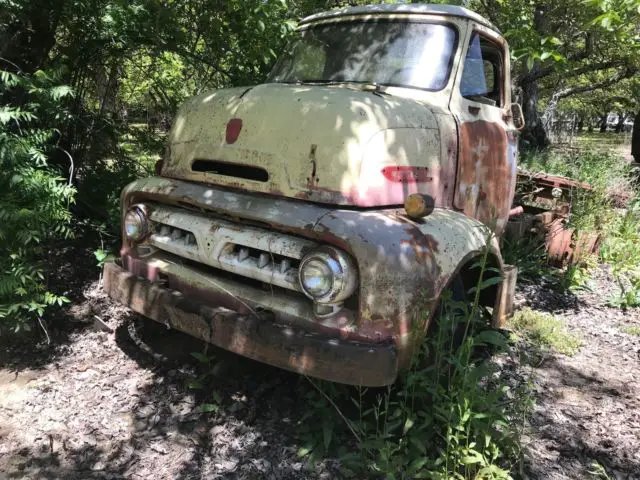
312,222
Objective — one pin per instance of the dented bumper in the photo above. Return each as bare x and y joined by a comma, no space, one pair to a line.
266,337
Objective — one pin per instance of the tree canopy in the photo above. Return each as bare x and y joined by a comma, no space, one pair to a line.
78,77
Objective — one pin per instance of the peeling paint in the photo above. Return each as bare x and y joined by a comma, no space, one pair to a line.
486,173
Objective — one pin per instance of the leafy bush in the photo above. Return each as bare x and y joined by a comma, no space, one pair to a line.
529,254
620,249
35,198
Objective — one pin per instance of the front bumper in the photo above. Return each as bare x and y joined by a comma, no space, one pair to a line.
255,334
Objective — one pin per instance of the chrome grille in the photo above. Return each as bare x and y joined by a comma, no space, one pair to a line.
252,252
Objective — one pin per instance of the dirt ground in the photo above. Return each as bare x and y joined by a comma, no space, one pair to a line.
111,399
587,414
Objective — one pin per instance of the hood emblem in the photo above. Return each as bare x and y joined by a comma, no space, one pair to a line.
234,126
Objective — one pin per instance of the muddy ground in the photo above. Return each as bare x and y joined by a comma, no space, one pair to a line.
110,398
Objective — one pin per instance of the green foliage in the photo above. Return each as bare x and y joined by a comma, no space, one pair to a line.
34,204
599,472
607,173
620,249
544,331
449,417
635,331
529,254
102,257
577,275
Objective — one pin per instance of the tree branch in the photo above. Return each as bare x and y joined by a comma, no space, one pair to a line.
546,71
194,56
569,91
620,75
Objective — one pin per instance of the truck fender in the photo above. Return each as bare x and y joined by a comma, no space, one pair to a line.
459,245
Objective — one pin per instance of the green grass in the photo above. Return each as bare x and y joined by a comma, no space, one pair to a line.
603,170
602,140
606,173
635,331
545,331
620,249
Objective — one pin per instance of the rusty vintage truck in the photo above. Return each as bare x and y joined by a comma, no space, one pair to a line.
306,222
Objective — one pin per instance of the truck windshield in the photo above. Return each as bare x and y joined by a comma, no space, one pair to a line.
392,53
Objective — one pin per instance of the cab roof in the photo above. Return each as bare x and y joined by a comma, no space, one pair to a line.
429,9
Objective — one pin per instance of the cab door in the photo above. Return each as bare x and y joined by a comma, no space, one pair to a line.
487,137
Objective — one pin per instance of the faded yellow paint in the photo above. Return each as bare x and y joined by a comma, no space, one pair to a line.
326,144
217,241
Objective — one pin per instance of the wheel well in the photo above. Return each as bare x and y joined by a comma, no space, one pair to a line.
470,273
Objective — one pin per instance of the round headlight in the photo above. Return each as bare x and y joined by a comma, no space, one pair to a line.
135,224
327,275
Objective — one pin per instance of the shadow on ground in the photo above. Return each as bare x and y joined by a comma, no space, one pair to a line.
125,401
590,426
249,435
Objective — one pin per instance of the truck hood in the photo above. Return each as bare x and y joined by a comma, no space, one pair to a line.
327,144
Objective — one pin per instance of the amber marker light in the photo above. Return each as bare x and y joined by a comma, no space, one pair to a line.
418,206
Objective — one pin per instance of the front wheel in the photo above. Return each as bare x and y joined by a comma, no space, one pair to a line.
459,324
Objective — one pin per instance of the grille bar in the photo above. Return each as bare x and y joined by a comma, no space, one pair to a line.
252,252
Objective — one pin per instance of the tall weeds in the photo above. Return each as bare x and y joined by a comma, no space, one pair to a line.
452,415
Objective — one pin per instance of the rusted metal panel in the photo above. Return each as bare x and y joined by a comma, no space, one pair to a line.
553,194
563,245
486,173
256,337
557,192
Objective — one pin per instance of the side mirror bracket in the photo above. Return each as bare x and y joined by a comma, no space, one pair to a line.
517,116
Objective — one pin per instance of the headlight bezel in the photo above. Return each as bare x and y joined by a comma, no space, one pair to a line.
139,211
343,270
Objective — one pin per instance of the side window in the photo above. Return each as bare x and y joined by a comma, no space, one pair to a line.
481,75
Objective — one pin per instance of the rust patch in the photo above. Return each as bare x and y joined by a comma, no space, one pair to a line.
266,341
486,173
423,240
312,181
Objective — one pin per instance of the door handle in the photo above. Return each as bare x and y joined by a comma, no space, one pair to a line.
474,110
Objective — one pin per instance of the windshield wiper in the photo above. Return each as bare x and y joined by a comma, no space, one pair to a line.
373,87
321,81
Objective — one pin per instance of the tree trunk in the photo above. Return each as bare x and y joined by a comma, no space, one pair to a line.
603,122
635,139
534,133
580,125
31,34
620,125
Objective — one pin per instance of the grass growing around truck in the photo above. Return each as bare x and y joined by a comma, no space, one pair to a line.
544,331
620,249
452,415
594,211
634,331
